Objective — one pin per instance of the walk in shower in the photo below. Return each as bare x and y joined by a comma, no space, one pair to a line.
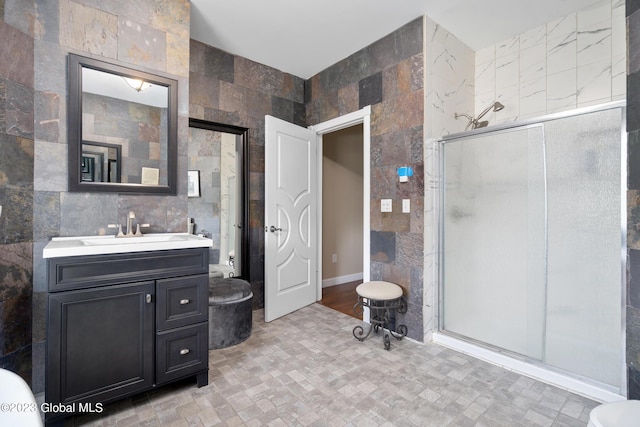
533,243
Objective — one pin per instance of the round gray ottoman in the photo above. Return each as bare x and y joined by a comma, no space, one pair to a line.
229,312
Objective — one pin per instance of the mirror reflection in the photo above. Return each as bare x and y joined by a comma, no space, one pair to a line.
101,162
216,153
122,129
129,114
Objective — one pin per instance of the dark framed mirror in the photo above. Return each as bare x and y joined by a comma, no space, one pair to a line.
123,129
219,153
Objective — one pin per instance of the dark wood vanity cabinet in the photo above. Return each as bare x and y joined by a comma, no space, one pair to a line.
114,331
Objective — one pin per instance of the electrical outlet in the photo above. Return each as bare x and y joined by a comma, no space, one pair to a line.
334,258
386,205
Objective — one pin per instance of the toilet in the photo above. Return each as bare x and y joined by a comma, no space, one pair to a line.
625,413
20,407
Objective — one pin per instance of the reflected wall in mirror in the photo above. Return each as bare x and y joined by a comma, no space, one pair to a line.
218,152
129,111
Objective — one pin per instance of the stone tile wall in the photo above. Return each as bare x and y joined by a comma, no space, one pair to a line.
388,75
152,35
205,156
16,187
571,62
633,200
233,90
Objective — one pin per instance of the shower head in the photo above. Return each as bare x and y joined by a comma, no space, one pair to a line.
476,123
496,106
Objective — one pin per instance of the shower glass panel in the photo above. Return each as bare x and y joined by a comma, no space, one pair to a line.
584,292
533,242
494,260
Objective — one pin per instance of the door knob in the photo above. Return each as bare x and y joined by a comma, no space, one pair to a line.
273,229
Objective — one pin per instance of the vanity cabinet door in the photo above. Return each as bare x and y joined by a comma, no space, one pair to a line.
100,343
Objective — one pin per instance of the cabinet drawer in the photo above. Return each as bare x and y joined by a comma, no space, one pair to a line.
182,301
181,352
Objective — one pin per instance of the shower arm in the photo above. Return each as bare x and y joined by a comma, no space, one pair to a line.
471,120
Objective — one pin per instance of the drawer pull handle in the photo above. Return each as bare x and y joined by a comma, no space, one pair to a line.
184,351
184,301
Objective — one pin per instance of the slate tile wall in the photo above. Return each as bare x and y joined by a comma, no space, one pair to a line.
633,199
234,90
16,187
388,75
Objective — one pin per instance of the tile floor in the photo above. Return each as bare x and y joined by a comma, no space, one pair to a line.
307,369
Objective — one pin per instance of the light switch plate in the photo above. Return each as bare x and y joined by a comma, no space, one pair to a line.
386,205
406,205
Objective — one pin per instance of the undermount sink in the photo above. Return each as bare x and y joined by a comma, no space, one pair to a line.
98,245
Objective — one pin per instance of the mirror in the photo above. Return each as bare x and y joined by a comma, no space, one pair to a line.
122,129
219,163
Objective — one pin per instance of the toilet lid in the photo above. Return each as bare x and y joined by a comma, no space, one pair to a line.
617,414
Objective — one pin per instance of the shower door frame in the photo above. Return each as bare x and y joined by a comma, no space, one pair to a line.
505,358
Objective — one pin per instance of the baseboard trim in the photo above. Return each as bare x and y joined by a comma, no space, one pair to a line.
333,281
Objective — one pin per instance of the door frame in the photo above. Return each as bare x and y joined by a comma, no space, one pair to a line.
362,116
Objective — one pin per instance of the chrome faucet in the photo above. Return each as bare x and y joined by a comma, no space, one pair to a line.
130,219
129,231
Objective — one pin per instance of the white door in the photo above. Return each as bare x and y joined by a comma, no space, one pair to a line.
290,218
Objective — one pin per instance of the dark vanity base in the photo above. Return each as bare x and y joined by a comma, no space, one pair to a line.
202,379
123,324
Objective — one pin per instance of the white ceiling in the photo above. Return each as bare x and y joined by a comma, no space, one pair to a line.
303,37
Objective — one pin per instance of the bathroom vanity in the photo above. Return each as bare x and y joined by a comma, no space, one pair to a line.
124,317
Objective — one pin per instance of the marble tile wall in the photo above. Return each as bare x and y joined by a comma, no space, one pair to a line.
571,62
16,187
449,88
150,34
388,75
233,90
633,200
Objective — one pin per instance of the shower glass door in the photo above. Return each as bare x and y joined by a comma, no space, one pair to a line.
533,243
494,259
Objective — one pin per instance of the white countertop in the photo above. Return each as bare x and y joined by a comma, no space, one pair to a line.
100,245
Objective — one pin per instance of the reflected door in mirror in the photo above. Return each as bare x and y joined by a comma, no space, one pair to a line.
101,162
